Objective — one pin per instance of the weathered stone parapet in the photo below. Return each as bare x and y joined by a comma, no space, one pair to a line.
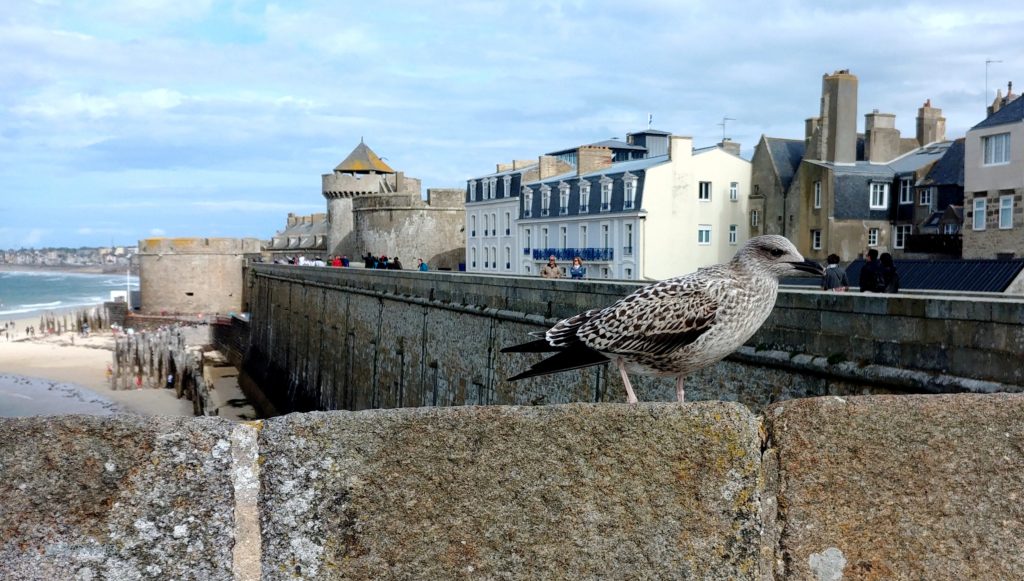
573,492
900,487
879,487
122,497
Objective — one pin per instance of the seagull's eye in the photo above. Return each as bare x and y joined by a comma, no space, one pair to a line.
777,252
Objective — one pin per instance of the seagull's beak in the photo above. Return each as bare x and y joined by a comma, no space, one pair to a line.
809,266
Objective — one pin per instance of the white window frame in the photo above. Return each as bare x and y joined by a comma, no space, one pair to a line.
980,210
629,183
545,201
508,223
949,228
907,191
584,235
627,273
507,180
584,197
879,196
996,149
733,234
817,194
527,202
472,225
927,196
563,199
606,194
508,258
816,239
1005,212
494,193
703,191
755,218
704,235
563,237
545,238
627,239
494,227
899,235
472,256
606,236
487,224
734,191
472,190
529,238
873,237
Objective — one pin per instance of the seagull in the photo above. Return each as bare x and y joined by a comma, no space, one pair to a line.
677,326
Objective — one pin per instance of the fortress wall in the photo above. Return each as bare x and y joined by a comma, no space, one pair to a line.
820,488
393,339
193,275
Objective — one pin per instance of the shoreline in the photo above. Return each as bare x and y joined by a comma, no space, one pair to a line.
68,268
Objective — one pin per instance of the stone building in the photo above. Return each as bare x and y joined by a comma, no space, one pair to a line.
994,182
842,196
193,275
373,208
301,236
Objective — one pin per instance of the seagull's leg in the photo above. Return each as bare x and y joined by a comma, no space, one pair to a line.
630,396
680,392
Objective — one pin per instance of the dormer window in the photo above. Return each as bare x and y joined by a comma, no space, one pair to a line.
606,194
472,190
563,198
545,200
527,202
629,183
494,187
879,195
584,197
507,180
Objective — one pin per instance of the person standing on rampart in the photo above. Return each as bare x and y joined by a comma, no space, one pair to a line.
551,269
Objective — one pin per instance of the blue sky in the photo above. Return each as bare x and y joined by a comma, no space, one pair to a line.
127,119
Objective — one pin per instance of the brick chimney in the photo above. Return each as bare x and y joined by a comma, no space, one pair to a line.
548,165
292,219
931,125
590,159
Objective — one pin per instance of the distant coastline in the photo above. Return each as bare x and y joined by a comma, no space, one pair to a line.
72,268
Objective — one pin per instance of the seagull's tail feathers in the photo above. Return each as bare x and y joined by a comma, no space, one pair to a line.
575,357
538,346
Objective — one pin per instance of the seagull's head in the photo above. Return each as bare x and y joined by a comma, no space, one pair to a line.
775,255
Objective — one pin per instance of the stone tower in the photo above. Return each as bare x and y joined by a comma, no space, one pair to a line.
362,173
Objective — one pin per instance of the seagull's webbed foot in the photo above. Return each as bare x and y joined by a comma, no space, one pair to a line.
630,396
680,392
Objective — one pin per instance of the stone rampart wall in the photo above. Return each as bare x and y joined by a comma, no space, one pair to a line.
876,487
355,339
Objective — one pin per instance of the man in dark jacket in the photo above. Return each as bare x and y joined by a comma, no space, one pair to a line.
871,274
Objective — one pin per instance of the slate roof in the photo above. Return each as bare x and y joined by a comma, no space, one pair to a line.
968,275
785,155
615,168
1012,112
920,157
363,160
949,169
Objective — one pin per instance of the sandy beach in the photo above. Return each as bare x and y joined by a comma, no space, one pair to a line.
74,368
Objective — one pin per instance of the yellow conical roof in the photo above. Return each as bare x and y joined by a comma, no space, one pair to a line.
363,160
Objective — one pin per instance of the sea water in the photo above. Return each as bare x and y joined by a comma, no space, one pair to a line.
25,295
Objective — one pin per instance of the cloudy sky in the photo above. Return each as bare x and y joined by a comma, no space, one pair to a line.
129,119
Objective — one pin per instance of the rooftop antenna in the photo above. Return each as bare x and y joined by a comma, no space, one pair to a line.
650,119
722,125
987,63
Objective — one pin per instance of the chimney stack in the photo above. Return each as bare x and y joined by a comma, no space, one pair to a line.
931,125
730,146
590,158
881,138
838,141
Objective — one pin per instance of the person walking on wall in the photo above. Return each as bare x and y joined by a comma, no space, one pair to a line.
577,270
551,270
834,278
871,274
421,266
890,277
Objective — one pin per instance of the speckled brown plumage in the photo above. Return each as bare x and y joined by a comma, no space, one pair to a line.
676,326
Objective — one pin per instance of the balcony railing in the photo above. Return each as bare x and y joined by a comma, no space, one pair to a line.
587,254
526,251
627,251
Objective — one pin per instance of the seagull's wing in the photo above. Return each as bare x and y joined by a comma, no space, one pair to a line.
657,319
570,352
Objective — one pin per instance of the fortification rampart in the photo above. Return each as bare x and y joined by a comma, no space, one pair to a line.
193,275
877,487
355,339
